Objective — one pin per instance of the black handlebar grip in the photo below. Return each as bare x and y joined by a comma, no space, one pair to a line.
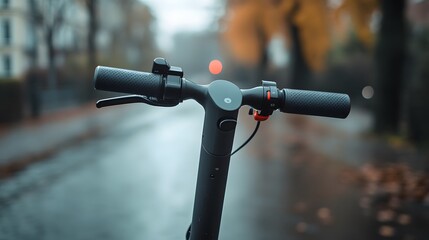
324,104
127,81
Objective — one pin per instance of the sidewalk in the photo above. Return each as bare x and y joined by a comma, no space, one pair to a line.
35,139
349,183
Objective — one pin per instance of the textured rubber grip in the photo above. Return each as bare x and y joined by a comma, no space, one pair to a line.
324,104
127,81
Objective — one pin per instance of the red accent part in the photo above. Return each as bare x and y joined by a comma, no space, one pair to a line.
268,95
258,117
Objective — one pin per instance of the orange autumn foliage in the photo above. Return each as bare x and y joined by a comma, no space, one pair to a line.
311,18
360,12
251,23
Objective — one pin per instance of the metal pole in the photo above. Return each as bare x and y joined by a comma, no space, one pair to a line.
218,134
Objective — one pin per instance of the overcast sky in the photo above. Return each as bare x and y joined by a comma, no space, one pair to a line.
184,15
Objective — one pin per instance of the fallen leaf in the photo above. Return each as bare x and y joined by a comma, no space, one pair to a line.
385,215
301,227
404,219
386,231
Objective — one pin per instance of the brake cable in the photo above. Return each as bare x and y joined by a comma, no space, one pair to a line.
258,123
270,93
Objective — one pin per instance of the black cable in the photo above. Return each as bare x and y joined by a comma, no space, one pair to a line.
248,140
188,232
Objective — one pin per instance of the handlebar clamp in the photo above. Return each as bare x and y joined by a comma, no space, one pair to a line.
271,101
271,98
161,66
171,78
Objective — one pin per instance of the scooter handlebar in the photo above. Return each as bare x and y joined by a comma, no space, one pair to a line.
128,81
316,103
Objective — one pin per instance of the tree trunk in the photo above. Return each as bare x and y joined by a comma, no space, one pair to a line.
33,81
92,29
390,59
33,54
52,81
92,49
417,90
300,72
262,69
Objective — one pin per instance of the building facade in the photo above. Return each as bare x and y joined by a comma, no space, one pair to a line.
23,41
14,39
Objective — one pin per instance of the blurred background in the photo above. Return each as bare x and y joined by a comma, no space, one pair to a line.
71,171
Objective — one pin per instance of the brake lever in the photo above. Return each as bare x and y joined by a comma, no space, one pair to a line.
134,99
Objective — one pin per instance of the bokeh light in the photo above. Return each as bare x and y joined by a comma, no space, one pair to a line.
368,92
215,67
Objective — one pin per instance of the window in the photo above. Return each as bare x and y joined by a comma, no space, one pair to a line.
5,3
7,65
6,32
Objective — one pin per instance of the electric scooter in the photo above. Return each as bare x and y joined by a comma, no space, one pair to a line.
165,86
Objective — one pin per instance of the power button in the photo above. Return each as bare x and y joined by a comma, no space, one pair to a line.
227,124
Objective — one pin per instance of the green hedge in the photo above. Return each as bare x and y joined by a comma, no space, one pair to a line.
11,100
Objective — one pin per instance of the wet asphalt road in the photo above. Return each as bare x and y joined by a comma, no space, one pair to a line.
136,180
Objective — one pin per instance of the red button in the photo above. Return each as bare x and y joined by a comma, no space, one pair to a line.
258,117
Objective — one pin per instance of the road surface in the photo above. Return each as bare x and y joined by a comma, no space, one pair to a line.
136,180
